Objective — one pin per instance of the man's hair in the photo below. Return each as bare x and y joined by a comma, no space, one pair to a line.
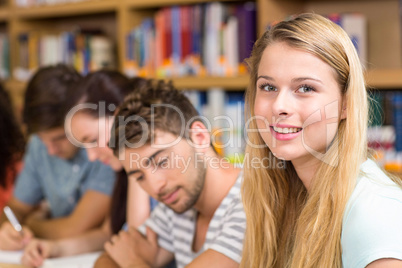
156,106
12,141
45,95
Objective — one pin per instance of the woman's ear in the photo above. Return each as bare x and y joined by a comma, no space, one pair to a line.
344,109
199,135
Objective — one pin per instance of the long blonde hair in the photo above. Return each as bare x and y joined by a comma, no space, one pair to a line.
286,226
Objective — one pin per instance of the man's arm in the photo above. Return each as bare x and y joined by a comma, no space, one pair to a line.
138,204
20,209
132,249
89,213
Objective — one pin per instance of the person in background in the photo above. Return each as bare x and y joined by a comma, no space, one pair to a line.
12,145
328,204
77,191
166,149
90,127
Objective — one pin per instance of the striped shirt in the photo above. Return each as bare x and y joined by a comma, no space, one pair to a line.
225,231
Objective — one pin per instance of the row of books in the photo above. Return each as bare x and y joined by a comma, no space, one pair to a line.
382,140
4,57
205,39
385,131
386,110
27,3
86,51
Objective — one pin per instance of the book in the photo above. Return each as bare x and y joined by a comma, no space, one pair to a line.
355,25
200,40
86,50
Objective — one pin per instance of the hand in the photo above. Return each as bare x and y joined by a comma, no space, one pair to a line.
10,239
37,251
132,249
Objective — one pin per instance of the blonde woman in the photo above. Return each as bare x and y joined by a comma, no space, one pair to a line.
324,203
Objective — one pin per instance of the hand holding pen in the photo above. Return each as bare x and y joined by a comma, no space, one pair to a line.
12,235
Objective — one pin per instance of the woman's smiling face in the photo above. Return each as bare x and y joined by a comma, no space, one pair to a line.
298,102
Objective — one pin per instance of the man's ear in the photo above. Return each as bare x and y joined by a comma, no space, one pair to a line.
199,135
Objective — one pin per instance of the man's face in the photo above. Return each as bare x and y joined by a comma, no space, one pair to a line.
168,169
57,143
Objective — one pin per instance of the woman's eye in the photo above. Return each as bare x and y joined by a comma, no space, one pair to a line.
267,87
305,89
140,178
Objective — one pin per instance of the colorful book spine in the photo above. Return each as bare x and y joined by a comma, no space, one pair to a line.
85,51
206,39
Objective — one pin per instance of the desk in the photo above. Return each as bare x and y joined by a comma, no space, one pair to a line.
7,265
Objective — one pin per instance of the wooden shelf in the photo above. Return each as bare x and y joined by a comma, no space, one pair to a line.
161,3
15,87
384,79
66,9
4,14
190,83
379,79
204,83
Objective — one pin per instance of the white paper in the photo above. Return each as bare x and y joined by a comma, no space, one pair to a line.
77,261
10,256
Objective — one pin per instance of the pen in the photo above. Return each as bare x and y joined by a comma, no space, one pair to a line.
13,220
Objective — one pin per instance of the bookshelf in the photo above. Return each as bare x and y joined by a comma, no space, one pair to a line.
118,17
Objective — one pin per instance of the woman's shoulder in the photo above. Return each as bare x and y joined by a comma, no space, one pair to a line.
374,189
372,219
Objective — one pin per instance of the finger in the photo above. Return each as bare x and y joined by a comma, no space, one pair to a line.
29,259
45,248
135,234
26,260
35,252
152,237
11,232
108,247
114,239
27,233
11,243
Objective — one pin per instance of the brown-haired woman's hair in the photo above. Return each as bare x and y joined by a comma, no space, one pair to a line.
104,88
107,90
12,141
45,95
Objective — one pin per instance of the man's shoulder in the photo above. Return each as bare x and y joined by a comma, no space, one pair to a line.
35,144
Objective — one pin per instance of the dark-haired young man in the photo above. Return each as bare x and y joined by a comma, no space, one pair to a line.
76,190
164,146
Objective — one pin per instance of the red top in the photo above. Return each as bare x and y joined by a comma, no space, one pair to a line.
6,193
